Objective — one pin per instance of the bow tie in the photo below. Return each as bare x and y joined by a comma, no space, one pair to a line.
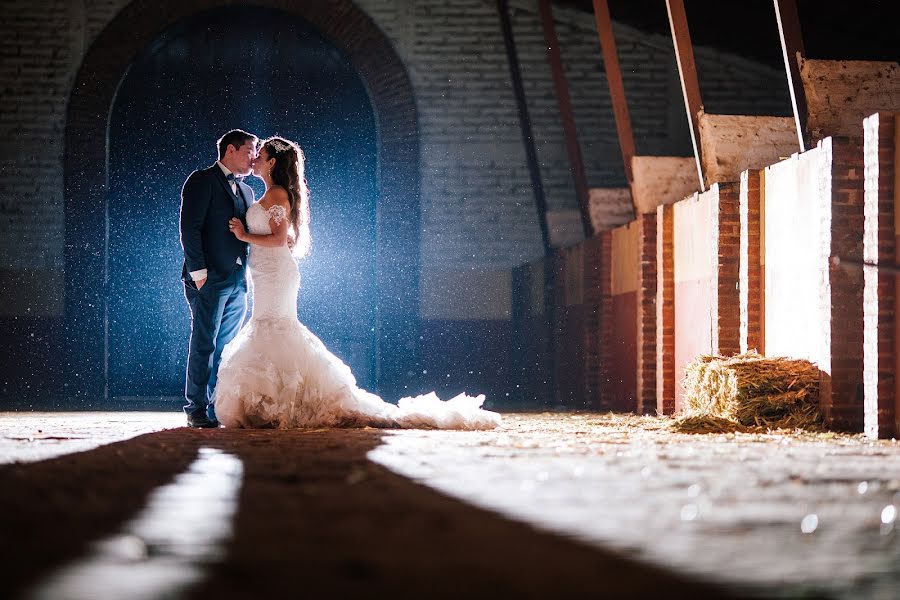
231,178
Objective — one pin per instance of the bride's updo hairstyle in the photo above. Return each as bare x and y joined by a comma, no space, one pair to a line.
289,172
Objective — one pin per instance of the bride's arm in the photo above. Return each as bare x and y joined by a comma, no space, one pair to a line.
278,224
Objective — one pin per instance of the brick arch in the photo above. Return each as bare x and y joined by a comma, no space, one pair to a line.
86,177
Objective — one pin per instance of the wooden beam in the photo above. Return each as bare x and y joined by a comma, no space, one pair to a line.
576,162
687,72
616,87
792,50
534,168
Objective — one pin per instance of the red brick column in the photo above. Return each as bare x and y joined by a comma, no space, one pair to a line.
879,299
728,318
896,347
606,315
751,276
646,321
842,393
665,310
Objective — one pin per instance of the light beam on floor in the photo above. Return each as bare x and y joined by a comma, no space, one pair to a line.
168,547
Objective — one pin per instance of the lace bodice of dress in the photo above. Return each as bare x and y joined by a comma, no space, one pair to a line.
258,217
273,271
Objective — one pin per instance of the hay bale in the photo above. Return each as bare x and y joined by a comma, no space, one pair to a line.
706,423
749,392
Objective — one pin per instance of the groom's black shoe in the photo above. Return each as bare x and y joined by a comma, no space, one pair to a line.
201,421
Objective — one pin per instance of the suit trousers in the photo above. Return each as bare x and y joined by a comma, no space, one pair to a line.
217,312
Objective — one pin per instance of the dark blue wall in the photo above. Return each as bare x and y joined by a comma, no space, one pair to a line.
266,73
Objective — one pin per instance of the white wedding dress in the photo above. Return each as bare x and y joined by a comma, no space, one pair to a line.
276,373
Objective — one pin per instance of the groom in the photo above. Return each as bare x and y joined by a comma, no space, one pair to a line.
214,266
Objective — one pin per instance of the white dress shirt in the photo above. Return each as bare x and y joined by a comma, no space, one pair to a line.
200,274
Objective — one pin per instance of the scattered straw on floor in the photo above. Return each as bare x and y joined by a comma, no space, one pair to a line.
749,392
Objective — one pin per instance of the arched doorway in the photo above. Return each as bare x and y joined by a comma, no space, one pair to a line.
271,73
106,345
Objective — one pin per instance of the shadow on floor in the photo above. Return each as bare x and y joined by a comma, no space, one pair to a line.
315,516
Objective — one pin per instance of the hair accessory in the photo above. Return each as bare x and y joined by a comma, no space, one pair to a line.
280,146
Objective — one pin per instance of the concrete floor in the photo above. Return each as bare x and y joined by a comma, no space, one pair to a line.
558,504
29,436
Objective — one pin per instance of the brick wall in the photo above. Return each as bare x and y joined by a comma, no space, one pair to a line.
477,208
896,369
880,247
36,59
665,310
750,275
814,308
728,305
397,222
646,317
844,404
606,318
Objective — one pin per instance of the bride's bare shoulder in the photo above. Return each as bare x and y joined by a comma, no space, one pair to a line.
274,195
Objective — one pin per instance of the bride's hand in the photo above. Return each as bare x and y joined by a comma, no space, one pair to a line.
237,228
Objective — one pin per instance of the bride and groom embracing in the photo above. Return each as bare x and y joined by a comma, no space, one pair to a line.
272,371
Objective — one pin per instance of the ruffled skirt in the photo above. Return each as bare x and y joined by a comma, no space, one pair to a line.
277,373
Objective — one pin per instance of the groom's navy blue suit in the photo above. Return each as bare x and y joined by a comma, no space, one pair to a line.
218,308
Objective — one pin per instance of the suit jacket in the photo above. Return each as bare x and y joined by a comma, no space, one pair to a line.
207,204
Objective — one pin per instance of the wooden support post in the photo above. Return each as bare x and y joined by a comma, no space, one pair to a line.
534,169
687,72
792,50
616,87
576,163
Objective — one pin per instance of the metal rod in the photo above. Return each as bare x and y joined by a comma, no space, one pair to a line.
792,50
862,264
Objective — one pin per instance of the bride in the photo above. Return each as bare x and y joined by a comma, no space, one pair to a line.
276,373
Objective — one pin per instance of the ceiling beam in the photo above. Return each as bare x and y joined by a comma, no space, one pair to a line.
792,50
616,86
576,162
687,73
